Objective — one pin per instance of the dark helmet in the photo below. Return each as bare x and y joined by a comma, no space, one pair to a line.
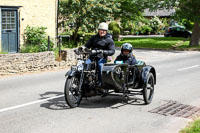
126,46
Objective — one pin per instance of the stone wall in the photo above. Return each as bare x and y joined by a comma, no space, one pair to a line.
19,63
69,56
26,62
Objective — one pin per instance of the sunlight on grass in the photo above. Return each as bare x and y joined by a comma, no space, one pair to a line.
3,52
192,128
158,43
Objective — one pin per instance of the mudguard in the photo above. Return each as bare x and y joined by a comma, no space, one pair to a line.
145,71
71,73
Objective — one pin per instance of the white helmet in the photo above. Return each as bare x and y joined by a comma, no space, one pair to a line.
103,26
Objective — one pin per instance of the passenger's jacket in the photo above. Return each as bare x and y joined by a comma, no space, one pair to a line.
131,60
102,43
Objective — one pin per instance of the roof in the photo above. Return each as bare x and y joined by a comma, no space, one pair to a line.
160,12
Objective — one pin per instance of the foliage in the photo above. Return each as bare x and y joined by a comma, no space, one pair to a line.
192,128
114,27
128,25
116,30
35,35
113,24
186,9
142,25
3,52
87,14
30,49
156,24
69,44
145,29
35,40
186,23
131,9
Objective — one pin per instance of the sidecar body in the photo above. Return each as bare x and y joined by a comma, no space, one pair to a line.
131,79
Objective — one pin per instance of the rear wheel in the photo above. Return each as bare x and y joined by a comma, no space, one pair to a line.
148,89
73,95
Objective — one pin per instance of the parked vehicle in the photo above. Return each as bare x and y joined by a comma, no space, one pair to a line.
177,31
121,79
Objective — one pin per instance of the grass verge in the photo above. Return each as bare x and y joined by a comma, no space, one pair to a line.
3,52
164,43
192,128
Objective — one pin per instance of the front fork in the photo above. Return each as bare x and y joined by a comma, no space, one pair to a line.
81,79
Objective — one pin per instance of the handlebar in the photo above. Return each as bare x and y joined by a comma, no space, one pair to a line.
82,51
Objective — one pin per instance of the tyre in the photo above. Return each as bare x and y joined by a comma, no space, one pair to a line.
148,89
73,95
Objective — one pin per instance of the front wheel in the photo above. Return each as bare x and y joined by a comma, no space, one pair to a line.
73,95
148,89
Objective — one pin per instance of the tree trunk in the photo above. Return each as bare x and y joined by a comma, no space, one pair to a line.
76,34
194,41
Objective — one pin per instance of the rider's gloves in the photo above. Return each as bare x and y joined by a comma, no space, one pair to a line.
95,52
100,51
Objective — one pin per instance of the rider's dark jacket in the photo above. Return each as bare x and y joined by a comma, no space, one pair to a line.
131,60
105,43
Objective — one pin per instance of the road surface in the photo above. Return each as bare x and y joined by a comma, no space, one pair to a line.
34,103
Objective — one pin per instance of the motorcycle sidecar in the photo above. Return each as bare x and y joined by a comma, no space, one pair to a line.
130,80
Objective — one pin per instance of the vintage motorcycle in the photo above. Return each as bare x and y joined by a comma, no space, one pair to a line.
123,79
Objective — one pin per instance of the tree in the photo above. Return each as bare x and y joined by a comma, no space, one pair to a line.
132,9
129,9
87,13
186,9
190,10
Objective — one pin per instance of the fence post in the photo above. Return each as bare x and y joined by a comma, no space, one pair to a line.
48,43
60,42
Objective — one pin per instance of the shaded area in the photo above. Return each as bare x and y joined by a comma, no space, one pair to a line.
112,101
54,104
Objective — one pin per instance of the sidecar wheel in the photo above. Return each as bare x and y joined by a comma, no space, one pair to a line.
148,89
73,96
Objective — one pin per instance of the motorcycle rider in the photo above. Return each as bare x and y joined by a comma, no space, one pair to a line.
102,46
126,55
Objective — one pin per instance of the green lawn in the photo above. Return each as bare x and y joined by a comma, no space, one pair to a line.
165,43
192,128
3,52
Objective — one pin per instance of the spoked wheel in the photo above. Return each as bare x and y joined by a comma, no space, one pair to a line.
148,89
72,94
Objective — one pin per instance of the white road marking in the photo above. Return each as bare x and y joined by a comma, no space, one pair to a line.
30,103
186,68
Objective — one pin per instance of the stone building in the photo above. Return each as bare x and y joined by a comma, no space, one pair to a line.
16,15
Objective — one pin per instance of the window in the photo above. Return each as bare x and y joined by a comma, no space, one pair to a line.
8,20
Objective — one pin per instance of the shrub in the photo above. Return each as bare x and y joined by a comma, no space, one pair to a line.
35,35
36,40
116,31
114,27
3,52
145,29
